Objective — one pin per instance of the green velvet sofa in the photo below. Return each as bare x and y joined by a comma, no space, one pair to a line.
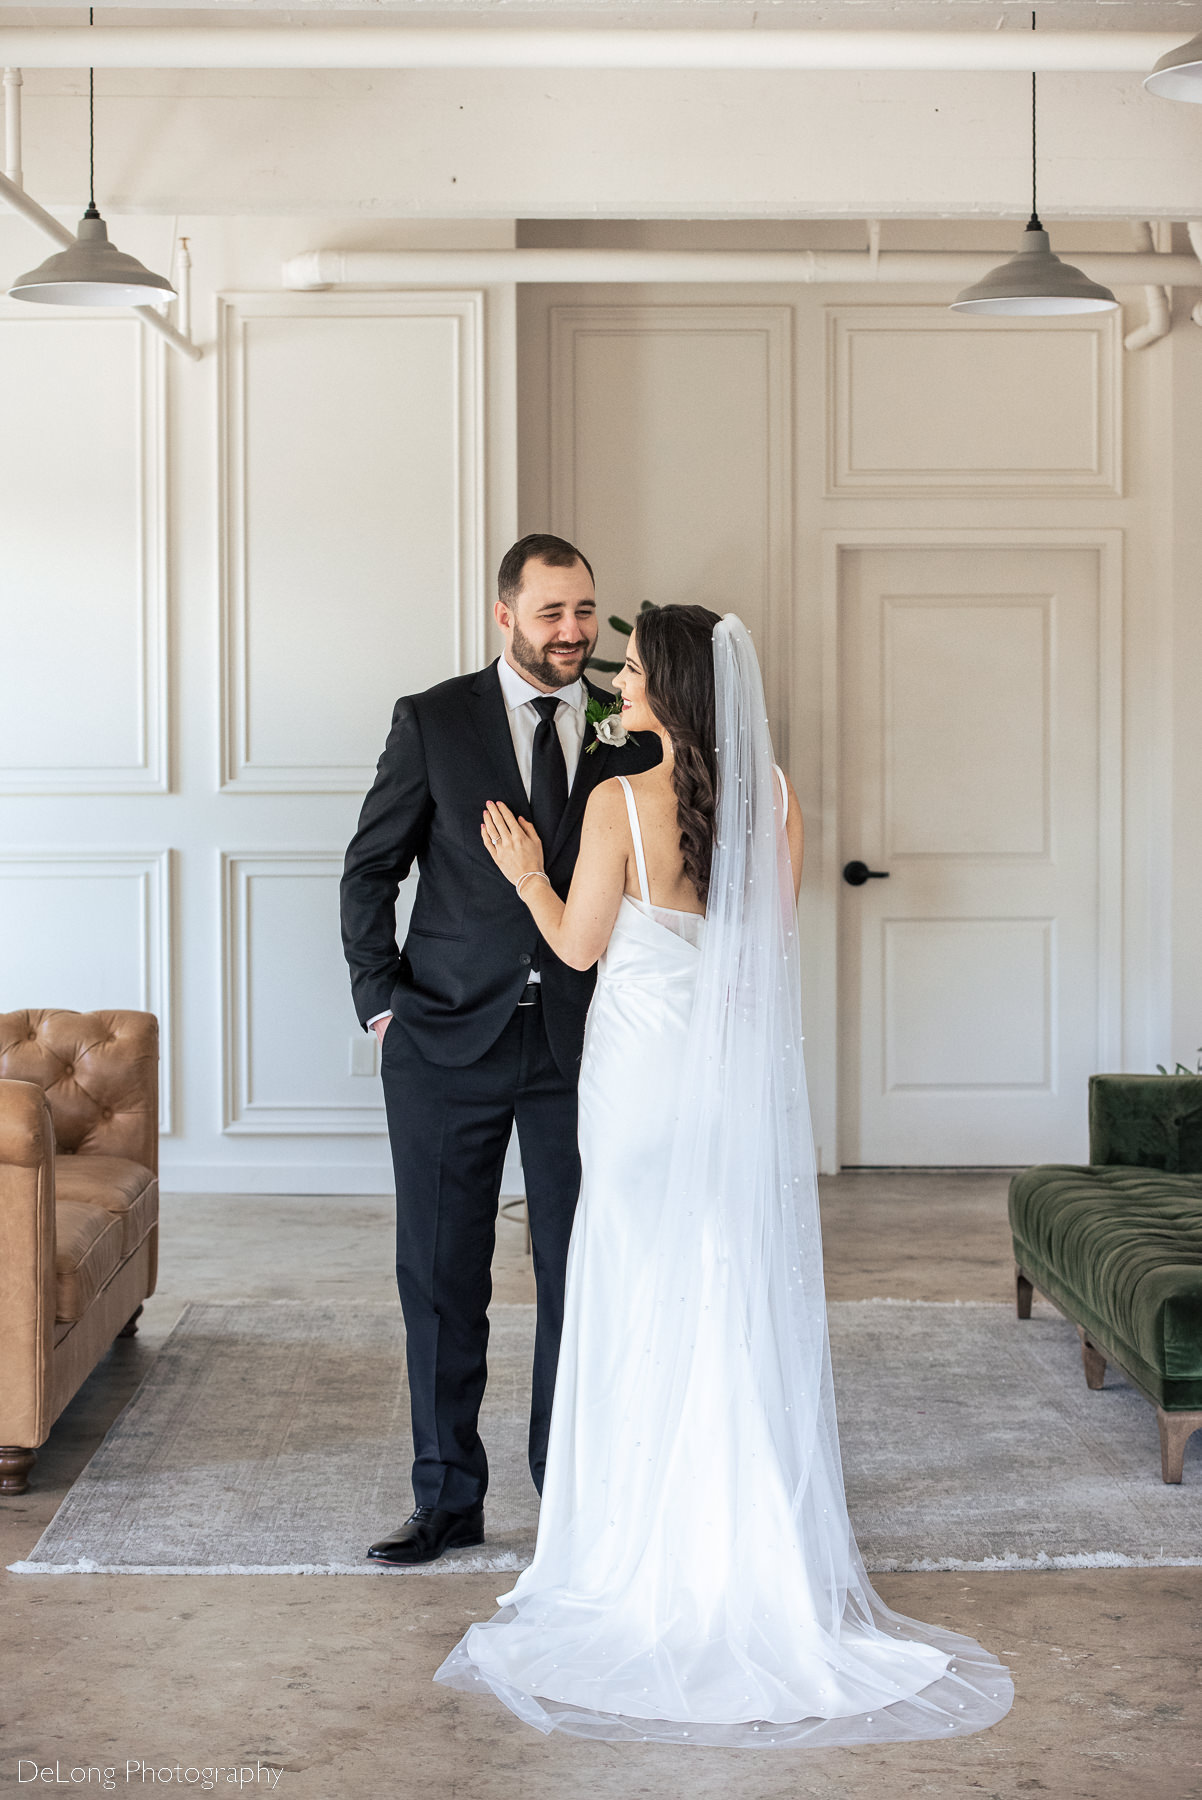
1117,1246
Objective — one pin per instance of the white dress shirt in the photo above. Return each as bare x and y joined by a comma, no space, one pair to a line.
519,695
570,720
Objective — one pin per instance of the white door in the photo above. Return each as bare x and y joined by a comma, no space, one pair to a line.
970,781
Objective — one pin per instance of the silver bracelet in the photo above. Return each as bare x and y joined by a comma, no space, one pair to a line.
532,875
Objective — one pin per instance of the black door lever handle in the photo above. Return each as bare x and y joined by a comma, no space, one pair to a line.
855,874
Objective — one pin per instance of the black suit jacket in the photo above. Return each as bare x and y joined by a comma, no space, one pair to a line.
467,956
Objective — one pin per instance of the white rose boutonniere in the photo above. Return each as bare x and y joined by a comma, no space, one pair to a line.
607,725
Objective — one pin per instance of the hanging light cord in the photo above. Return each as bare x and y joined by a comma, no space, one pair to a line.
91,212
1034,223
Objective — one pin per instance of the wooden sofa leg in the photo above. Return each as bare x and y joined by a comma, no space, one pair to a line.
130,1327
1023,1290
1176,1429
15,1464
1094,1361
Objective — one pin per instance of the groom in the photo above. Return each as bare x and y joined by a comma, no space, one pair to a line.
479,1024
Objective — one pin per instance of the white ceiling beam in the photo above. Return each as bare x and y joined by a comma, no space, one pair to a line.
506,47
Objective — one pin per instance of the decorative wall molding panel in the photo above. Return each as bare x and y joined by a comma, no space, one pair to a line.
83,569
288,1029
352,520
923,401
967,780
671,462
88,930
989,969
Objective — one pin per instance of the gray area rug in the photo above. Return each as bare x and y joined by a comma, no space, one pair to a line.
273,1439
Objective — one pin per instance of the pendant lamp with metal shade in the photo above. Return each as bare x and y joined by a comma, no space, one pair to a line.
1178,74
91,271
1035,281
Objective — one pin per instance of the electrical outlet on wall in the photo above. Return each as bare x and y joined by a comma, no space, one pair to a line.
365,1054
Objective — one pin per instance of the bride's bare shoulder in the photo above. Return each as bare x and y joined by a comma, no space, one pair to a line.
608,798
606,804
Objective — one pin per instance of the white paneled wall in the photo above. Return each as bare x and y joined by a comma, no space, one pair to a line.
687,446
353,545
670,459
216,579
926,401
82,555
89,930
245,619
289,1071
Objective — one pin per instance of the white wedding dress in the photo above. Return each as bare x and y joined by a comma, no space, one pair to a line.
696,1579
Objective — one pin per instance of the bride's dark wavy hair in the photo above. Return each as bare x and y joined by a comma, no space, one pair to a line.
675,645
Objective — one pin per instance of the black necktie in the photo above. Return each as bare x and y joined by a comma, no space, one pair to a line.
548,774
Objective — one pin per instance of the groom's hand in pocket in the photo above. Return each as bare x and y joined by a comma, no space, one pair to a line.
380,1026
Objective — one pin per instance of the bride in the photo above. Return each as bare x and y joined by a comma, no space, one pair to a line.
696,1579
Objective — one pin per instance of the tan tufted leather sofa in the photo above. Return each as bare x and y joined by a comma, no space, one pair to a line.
79,1208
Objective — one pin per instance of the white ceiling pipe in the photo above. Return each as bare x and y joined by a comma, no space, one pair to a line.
457,268
183,287
394,46
1194,228
1159,322
46,223
12,127
62,235
1160,309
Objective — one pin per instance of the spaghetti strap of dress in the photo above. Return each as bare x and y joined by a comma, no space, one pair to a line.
640,861
632,812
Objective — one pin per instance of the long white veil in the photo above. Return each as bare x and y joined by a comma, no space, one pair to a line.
714,1593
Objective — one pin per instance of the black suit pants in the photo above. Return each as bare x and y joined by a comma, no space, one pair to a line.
449,1129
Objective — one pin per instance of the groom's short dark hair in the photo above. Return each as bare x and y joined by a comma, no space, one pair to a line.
538,546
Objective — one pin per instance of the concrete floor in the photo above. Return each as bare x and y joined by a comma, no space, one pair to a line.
329,1682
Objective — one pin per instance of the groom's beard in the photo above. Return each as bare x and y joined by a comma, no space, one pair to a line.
553,672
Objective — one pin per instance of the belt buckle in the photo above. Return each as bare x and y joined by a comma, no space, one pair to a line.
530,995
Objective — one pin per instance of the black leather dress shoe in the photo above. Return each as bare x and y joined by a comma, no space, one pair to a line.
426,1533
